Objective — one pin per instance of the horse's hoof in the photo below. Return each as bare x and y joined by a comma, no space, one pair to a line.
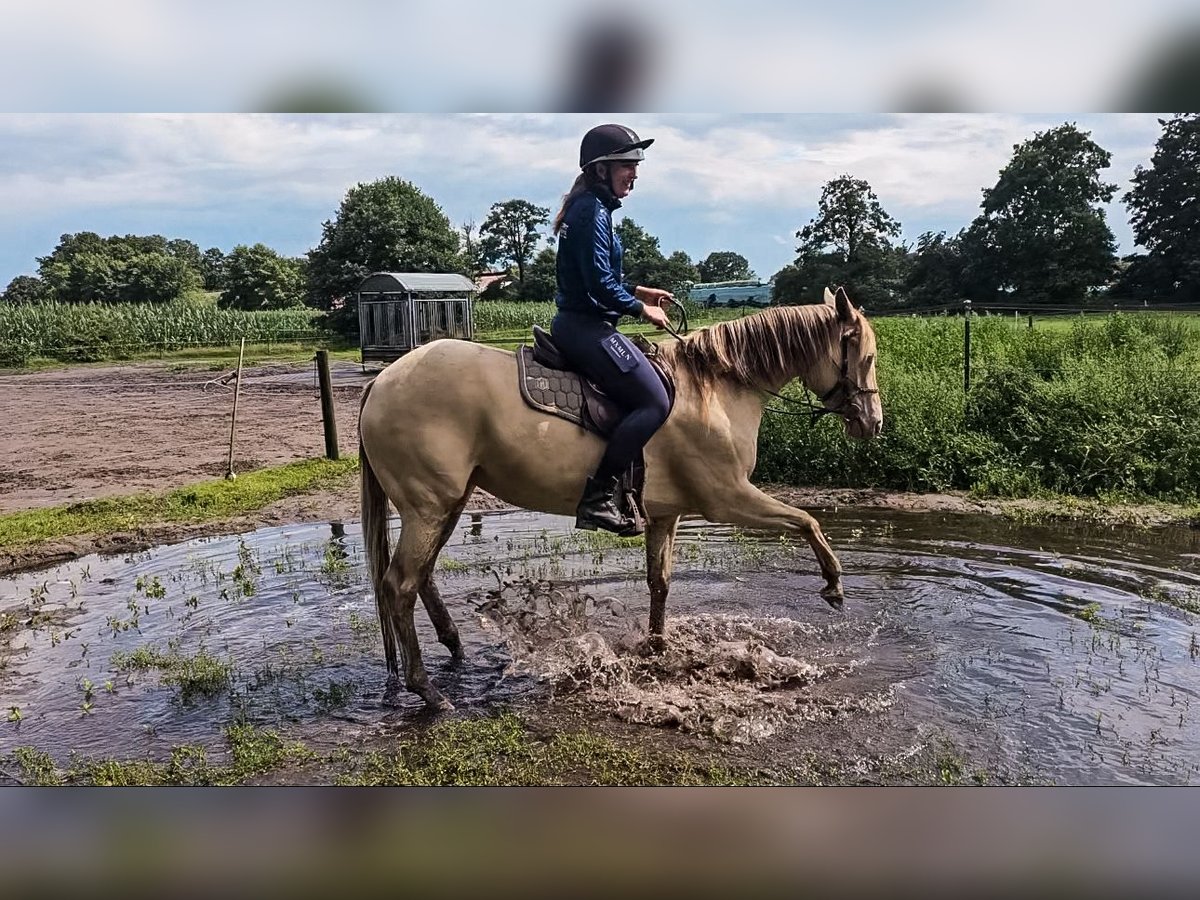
435,700
656,643
833,596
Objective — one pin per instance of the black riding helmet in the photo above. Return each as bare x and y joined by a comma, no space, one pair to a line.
611,142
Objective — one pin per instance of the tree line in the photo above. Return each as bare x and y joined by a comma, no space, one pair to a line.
1040,237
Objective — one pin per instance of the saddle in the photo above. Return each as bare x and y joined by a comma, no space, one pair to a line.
548,384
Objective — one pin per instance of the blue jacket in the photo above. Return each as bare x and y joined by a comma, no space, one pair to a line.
589,259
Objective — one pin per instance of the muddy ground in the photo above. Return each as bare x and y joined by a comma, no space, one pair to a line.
80,433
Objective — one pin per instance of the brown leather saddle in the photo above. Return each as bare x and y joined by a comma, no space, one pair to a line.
548,384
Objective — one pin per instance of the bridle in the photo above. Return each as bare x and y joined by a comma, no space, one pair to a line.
845,385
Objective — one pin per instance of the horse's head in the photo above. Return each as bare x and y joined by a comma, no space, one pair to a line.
846,383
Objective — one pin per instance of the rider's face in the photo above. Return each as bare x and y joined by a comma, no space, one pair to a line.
624,174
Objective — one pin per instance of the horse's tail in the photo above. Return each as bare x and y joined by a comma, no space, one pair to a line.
375,538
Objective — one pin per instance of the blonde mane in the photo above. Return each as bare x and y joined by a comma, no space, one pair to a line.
761,350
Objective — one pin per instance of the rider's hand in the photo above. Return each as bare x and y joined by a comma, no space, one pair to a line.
653,296
655,316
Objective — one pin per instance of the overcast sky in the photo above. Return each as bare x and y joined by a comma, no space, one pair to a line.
710,182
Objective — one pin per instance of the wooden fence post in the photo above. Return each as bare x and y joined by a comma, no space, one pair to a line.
237,390
327,413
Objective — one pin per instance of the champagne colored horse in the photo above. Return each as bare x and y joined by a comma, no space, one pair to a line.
448,417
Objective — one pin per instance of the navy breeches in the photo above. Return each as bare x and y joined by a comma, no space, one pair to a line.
621,371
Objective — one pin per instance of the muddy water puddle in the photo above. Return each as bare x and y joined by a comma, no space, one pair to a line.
1060,653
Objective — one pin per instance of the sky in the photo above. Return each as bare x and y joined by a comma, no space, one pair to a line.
741,182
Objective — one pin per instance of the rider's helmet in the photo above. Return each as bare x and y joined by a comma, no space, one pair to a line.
611,142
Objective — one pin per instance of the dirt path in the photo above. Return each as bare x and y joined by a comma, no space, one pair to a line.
80,433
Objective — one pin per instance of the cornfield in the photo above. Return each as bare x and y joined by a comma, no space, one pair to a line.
95,331
500,315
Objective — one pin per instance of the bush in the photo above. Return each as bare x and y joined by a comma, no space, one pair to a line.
1092,408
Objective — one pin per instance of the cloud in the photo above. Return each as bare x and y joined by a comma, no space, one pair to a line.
708,180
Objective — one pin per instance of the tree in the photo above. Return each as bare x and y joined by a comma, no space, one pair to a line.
128,268
848,243
1164,210
644,263
724,265
471,251
25,289
805,280
541,280
510,234
259,278
212,269
849,219
387,225
188,253
938,272
1042,233
677,274
154,278
642,259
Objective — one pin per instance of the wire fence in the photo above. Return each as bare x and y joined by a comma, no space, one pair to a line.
1025,310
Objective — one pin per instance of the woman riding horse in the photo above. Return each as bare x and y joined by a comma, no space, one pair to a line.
591,299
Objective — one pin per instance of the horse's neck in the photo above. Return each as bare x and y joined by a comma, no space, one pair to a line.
820,317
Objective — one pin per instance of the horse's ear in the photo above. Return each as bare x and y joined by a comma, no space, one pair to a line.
829,296
845,309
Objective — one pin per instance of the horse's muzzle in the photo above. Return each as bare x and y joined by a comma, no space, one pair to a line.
864,429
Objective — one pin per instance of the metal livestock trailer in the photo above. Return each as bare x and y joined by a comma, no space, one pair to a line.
400,311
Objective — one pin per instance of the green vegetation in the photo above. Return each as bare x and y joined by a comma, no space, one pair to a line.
488,751
198,675
86,332
497,750
501,751
204,502
252,752
1095,408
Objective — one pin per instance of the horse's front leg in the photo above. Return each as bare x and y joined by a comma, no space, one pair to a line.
660,553
750,507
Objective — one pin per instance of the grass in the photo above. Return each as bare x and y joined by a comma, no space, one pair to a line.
498,750
203,502
253,752
198,675
502,749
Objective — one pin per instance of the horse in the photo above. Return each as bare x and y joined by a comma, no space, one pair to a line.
448,417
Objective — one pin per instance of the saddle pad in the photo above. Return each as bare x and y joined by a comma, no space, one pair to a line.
550,390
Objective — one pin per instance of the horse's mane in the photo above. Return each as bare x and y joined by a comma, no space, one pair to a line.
766,348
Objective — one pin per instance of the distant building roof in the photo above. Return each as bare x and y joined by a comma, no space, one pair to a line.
485,279
415,282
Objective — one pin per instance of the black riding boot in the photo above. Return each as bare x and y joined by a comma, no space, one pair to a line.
599,507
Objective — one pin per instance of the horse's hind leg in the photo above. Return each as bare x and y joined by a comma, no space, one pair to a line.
447,631
413,556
